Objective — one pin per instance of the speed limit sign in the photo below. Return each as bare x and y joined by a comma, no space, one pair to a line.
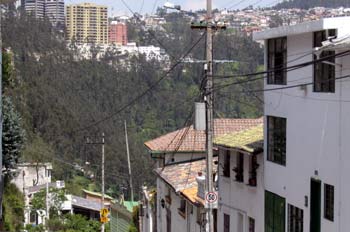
211,200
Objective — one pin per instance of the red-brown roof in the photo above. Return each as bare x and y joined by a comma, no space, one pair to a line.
182,176
194,140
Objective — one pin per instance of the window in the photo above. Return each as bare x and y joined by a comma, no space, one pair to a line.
274,212
239,168
295,219
252,170
226,223
329,202
182,209
276,143
227,160
48,172
168,197
251,225
199,215
277,60
324,73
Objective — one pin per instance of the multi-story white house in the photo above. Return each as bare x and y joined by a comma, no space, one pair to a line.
241,185
181,155
307,129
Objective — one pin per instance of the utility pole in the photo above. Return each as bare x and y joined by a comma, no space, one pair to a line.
47,202
1,121
102,142
209,26
103,179
209,112
129,165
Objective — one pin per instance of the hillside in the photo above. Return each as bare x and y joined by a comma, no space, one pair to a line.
62,100
302,4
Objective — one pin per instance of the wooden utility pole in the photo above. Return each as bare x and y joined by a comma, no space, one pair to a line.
129,165
103,179
209,112
209,26
102,142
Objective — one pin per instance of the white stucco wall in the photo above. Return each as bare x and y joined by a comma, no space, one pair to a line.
178,223
237,198
28,172
318,134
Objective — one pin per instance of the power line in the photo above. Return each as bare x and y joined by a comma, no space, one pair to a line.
140,96
289,68
292,86
149,31
237,4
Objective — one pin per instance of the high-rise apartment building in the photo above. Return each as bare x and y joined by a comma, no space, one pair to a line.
50,9
118,33
34,7
87,23
54,11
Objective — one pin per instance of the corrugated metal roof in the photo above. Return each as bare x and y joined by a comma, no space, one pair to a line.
85,203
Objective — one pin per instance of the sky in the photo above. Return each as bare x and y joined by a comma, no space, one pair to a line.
116,7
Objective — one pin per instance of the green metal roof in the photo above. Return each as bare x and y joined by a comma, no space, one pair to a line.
130,205
250,140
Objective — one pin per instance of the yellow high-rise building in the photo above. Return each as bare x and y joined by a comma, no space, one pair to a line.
87,23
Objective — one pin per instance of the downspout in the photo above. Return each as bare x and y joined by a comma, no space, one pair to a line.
340,143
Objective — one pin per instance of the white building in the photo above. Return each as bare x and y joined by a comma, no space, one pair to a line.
241,185
179,207
307,130
180,157
32,174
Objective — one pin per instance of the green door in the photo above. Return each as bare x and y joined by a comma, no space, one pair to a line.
275,207
315,206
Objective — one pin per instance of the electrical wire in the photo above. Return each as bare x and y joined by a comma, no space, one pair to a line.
301,65
144,93
291,86
149,31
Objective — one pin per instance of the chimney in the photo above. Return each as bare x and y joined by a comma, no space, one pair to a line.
199,121
201,185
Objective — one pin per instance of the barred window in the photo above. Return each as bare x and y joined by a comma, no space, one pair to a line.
329,202
324,72
276,61
295,219
276,143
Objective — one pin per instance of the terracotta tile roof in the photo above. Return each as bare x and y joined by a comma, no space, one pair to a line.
194,140
191,195
250,140
183,176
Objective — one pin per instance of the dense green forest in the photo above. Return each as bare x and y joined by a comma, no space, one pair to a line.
62,99
312,3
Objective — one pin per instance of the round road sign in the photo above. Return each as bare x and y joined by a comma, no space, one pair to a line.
211,197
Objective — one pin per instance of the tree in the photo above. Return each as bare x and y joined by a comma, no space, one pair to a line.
56,199
13,208
13,136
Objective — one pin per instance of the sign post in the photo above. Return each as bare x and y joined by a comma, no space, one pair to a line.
211,200
104,215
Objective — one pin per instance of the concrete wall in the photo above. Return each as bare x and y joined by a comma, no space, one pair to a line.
27,173
237,199
318,132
